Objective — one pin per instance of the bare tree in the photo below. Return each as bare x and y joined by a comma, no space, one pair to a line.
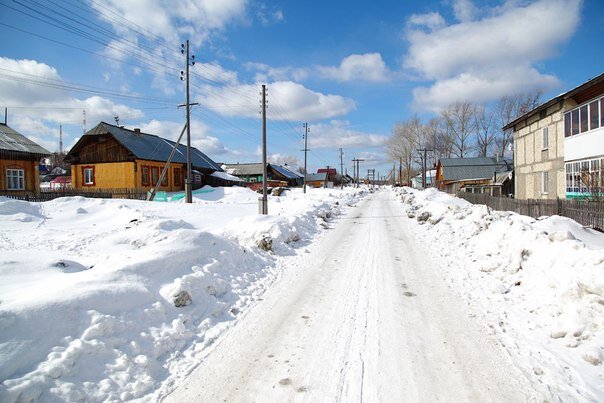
485,135
460,126
594,183
400,148
507,109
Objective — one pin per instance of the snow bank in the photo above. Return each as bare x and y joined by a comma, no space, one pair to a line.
538,283
118,299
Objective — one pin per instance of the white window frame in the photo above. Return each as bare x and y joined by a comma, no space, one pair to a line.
87,180
15,176
544,182
545,138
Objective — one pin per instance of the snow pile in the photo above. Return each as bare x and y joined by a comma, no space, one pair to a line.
538,283
118,299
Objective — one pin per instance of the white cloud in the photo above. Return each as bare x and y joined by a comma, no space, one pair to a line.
268,16
484,53
35,109
481,87
338,133
429,20
287,101
366,67
200,137
168,20
291,161
266,73
464,10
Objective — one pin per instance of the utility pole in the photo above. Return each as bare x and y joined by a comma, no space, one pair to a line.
84,121
423,155
306,130
400,171
60,139
190,61
357,161
341,170
264,204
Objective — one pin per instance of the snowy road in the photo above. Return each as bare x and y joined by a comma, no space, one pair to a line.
364,316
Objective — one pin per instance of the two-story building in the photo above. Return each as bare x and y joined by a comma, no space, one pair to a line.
558,141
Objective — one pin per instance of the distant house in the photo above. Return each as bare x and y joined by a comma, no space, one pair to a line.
109,157
19,162
318,180
559,143
416,181
467,174
252,173
60,183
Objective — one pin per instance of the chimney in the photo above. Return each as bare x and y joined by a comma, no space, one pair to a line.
137,131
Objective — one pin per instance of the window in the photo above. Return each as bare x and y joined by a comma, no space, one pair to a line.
177,177
594,116
574,117
88,178
145,175
154,175
15,179
583,114
545,138
584,118
544,179
164,181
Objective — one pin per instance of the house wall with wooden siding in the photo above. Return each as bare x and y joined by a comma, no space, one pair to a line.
114,175
125,175
159,166
30,168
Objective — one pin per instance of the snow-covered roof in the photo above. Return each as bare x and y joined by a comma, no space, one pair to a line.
226,176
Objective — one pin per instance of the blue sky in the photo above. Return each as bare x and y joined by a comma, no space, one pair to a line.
350,69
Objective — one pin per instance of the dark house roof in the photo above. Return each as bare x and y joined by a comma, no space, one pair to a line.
244,169
146,146
14,144
251,169
316,177
454,169
285,172
581,94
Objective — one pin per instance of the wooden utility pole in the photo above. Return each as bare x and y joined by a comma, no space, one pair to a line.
264,204
190,61
306,130
423,155
357,161
341,170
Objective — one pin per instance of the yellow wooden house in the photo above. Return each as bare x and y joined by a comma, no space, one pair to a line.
19,160
113,157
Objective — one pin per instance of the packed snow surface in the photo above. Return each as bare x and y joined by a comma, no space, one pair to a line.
115,299
537,284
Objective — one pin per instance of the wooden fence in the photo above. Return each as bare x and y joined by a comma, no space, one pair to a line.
47,195
585,212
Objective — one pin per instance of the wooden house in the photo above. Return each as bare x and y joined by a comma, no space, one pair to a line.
112,157
252,173
455,174
319,180
19,160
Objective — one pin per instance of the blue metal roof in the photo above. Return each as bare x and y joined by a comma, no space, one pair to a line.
285,172
154,148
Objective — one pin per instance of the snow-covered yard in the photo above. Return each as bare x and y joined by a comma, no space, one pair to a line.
538,285
88,287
